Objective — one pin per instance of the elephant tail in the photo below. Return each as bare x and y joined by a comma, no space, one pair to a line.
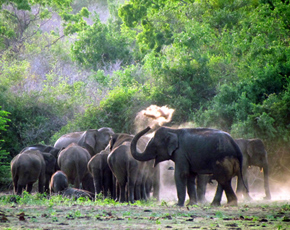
240,158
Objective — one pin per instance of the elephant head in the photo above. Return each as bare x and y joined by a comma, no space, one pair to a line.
255,154
96,140
160,147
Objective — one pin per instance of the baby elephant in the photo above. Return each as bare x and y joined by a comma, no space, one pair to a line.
58,182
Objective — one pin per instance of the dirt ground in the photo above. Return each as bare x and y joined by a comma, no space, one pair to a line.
257,214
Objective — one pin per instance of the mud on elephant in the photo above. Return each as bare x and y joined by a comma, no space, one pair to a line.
194,151
92,140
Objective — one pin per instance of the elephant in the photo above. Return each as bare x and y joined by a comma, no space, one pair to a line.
254,154
101,173
26,168
194,151
44,148
49,154
73,162
128,172
92,140
58,182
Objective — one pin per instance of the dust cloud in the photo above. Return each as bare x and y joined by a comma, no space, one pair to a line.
153,116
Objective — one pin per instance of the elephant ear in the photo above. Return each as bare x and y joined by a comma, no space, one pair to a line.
250,148
172,141
90,138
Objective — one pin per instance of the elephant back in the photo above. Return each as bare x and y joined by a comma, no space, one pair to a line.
28,165
66,139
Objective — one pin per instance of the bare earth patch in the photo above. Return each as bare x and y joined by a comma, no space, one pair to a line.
161,215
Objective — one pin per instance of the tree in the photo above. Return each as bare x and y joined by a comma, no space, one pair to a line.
4,165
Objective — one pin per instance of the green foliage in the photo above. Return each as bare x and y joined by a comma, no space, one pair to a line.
100,44
4,166
17,18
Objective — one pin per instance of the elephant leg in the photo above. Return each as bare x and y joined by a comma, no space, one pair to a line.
266,182
191,189
77,182
131,188
231,196
241,190
114,188
97,185
202,181
138,191
29,187
122,197
156,182
117,191
19,189
47,180
15,181
218,196
180,181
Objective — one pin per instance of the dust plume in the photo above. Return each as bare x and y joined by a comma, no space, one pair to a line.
153,116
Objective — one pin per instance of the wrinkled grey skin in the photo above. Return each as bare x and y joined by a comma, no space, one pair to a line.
254,154
58,182
92,140
130,174
194,151
26,169
73,162
101,173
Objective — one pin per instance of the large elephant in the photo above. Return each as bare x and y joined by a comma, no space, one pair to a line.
93,140
130,174
26,168
254,154
194,151
49,154
73,162
102,174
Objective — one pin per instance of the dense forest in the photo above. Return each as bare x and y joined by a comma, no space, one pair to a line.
70,65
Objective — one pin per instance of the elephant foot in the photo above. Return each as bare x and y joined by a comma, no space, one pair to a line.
190,203
215,204
247,197
267,198
232,203
179,204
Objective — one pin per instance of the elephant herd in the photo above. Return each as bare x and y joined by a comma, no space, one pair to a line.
125,167
93,162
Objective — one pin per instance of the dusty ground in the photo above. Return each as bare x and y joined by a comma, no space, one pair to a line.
162,215
257,214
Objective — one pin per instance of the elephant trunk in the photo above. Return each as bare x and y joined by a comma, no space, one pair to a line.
266,181
135,153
